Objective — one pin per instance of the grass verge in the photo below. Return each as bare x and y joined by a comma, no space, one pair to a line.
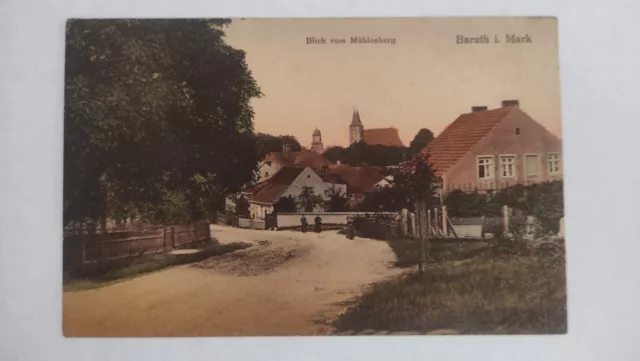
469,287
97,276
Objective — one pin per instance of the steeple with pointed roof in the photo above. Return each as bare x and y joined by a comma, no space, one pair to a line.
356,129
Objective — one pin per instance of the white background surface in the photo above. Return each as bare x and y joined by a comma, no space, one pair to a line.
600,77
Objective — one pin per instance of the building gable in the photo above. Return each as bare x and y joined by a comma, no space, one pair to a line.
461,136
306,178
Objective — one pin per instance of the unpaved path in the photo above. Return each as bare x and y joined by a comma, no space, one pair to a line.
287,283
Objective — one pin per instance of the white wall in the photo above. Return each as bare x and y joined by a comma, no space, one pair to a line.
286,220
251,223
258,211
308,178
468,230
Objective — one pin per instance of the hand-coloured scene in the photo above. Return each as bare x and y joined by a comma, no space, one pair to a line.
280,177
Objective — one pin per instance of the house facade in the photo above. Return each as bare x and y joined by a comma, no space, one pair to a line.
495,149
288,181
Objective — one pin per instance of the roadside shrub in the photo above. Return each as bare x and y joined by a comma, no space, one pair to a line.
377,226
495,226
544,201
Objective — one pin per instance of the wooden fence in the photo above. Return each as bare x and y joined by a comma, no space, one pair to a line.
83,248
382,228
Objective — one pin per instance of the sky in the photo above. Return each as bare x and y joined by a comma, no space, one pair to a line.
425,80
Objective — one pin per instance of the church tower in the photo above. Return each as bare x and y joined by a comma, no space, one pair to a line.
316,142
356,130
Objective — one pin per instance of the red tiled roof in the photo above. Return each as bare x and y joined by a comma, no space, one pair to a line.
303,158
270,190
383,136
461,135
357,179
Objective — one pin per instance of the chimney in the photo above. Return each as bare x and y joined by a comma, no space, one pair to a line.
510,103
478,109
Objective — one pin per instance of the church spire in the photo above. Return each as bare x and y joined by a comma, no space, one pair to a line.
355,119
356,130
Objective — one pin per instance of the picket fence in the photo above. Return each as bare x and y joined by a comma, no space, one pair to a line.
94,248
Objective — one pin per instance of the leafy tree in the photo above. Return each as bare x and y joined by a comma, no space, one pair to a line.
337,202
386,199
308,199
417,180
285,205
242,206
363,154
270,143
421,140
335,154
154,108
412,182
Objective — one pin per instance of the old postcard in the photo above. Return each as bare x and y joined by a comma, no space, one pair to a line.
284,177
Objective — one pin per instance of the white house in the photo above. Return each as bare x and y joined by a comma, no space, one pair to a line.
287,181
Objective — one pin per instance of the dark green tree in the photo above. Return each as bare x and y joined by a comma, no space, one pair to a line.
418,178
154,108
285,205
308,199
242,207
337,202
335,154
387,199
360,154
420,141
270,143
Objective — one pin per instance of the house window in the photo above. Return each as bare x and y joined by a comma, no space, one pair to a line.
553,160
506,166
266,174
532,165
485,167
517,131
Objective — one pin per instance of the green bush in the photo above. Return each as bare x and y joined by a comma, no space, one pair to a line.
544,201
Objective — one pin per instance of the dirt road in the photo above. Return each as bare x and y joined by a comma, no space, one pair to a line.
287,283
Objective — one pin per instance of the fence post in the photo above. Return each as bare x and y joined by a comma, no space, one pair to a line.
505,217
445,229
420,233
435,219
99,243
413,223
429,235
173,232
164,239
84,252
